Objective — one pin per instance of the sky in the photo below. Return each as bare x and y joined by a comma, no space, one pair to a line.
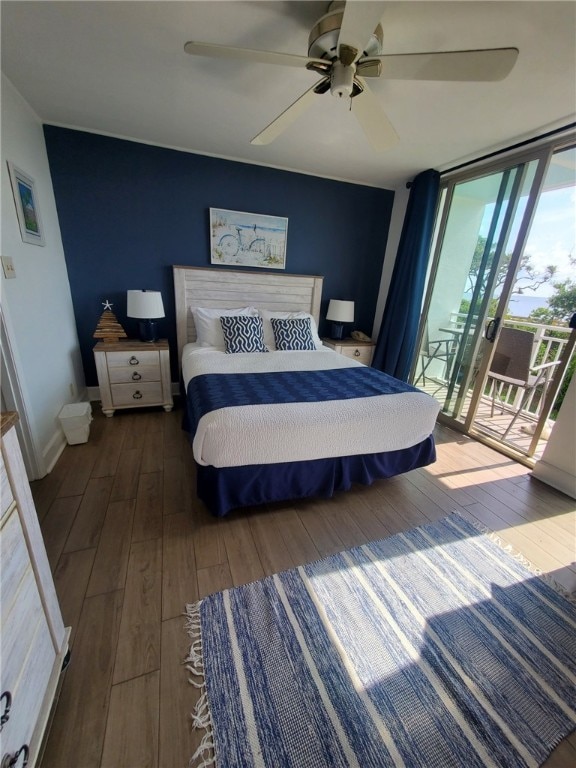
551,240
552,237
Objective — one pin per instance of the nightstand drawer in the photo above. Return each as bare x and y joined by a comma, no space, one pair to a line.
133,359
137,393
134,373
360,354
361,351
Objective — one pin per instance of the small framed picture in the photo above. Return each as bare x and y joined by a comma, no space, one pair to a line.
27,209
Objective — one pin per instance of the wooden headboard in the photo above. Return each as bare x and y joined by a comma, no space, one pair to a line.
232,289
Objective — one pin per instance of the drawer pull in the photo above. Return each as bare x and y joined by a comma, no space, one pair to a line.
356,353
11,761
137,396
134,361
6,697
136,376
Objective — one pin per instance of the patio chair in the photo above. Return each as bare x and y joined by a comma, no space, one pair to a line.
438,349
512,366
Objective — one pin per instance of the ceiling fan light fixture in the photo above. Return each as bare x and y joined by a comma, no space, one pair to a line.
342,80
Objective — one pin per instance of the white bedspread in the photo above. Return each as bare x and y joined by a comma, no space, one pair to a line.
269,434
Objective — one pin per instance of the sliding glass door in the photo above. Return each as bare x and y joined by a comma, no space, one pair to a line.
474,253
479,259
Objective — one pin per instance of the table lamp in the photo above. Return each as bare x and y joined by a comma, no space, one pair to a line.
146,306
339,312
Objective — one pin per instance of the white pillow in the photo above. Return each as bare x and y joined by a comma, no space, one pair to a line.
269,332
207,322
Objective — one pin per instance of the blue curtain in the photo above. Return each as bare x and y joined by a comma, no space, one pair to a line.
399,330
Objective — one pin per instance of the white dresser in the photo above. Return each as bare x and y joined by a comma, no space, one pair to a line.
133,374
34,640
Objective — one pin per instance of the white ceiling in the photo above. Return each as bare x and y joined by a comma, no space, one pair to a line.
120,68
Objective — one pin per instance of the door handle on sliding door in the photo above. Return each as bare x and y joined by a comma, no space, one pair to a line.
492,329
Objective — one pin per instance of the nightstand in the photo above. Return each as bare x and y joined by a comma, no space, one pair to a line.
362,351
133,374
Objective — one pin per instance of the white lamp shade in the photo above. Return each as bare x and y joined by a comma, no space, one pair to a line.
145,304
340,311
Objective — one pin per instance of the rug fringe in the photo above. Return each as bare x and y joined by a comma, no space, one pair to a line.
194,660
206,746
520,558
201,714
201,720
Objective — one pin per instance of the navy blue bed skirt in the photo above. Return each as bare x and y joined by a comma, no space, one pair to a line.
227,488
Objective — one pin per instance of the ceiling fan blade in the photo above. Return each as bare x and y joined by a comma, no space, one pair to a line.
374,121
248,54
289,116
358,24
487,65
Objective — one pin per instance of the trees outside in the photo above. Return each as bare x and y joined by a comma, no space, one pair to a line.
561,305
527,277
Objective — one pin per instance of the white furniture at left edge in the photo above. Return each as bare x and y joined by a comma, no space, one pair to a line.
133,374
34,639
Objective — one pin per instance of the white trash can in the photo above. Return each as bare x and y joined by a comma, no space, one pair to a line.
75,421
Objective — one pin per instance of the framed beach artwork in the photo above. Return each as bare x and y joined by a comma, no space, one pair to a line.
247,239
27,209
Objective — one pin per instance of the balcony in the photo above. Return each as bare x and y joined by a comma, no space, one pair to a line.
549,346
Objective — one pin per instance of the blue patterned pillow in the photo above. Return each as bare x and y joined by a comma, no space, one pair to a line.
243,334
292,334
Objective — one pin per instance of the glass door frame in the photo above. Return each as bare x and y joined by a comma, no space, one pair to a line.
499,239
542,153
487,344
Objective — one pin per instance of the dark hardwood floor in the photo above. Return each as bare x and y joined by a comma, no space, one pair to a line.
130,544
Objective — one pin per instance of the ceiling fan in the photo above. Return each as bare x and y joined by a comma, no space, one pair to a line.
345,46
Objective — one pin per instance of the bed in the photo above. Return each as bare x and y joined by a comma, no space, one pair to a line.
283,422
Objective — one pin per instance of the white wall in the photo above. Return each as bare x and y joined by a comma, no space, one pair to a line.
37,304
557,467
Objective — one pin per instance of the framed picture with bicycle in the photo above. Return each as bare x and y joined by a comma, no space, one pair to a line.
247,239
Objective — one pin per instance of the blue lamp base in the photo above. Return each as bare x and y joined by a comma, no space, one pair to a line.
337,331
148,330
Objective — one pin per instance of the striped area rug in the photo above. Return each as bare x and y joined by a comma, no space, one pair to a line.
430,648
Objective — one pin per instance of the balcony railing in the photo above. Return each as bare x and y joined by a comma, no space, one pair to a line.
549,347
549,344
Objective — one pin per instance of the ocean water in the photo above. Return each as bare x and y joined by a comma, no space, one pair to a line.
521,305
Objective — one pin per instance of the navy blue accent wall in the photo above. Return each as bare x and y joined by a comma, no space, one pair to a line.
130,211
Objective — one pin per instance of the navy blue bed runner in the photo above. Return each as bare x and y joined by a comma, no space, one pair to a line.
211,391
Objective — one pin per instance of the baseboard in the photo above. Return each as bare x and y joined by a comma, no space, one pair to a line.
93,393
52,452
556,477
